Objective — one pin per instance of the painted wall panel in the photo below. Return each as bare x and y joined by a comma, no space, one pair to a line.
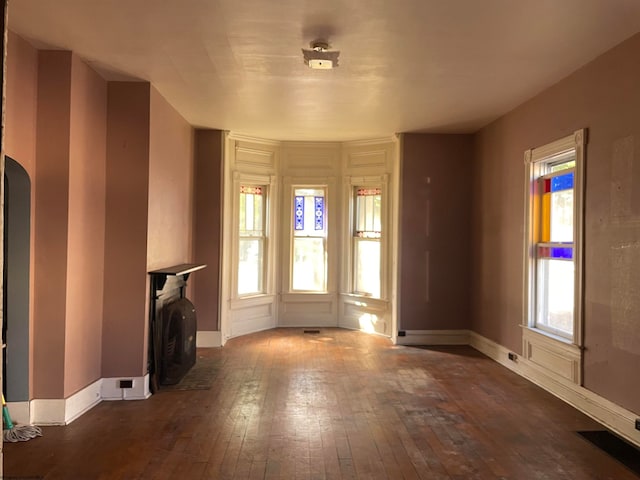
126,295
85,249
435,231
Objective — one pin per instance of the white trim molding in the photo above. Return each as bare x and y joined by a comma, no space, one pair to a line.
433,337
19,412
612,416
139,391
63,411
208,339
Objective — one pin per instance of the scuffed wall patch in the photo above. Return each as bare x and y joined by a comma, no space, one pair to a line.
622,177
625,296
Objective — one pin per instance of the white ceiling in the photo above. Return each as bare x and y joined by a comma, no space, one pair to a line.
405,65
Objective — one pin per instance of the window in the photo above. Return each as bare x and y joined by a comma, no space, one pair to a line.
252,239
367,231
555,269
309,269
553,245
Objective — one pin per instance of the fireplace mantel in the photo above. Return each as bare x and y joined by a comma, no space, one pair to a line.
159,277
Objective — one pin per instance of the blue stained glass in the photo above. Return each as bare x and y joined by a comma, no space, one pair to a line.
319,203
562,182
561,252
298,211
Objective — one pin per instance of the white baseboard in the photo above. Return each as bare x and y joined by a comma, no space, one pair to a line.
612,416
208,339
19,412
139,391
82,401
66,410
434,337
48,411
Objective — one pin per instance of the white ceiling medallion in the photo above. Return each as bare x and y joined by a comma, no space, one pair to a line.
319,57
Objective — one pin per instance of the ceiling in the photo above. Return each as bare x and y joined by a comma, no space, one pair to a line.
405,65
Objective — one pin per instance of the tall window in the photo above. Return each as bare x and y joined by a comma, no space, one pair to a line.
252,239
367,231
554,234
309,270
555,266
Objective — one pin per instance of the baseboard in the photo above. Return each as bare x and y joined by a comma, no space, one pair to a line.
139,391
82,401
208,339
19,412
66,410
614,417
434,337
48,411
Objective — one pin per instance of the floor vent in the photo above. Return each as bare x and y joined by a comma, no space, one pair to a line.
313,332
622,451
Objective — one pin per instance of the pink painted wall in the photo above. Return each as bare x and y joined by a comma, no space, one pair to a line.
208,204
604,97
126,220
85,248
435,223
21,106
20,134
170,221
51,223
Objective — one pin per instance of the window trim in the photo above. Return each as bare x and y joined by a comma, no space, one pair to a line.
324,186
370,181
534,159
267,182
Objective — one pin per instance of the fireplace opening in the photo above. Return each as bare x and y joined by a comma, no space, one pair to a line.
179,328
172,326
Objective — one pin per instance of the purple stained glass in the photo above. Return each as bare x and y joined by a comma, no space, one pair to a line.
299,213
319,206
561,252
562,182
557,253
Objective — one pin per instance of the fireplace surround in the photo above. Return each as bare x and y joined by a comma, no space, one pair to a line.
172,326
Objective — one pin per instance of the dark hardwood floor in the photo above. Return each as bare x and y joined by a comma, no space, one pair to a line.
338,404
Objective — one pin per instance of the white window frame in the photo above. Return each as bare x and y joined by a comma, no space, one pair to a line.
325,237
373,181
536,340
267,182
356,239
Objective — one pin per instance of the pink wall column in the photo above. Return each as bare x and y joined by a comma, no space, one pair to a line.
51,222
85,252
435,228
170,186
125,260
20,135
208,190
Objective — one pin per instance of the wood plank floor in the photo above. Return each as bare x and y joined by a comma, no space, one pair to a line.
338,404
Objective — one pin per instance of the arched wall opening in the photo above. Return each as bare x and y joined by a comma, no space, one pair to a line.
17,234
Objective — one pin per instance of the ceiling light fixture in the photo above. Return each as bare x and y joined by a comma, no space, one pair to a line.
319,57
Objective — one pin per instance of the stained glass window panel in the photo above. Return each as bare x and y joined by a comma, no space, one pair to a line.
319,211
368,215
299,212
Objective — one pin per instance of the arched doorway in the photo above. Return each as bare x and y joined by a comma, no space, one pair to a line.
17,235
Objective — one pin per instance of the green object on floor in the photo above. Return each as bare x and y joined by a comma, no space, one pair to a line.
17,433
